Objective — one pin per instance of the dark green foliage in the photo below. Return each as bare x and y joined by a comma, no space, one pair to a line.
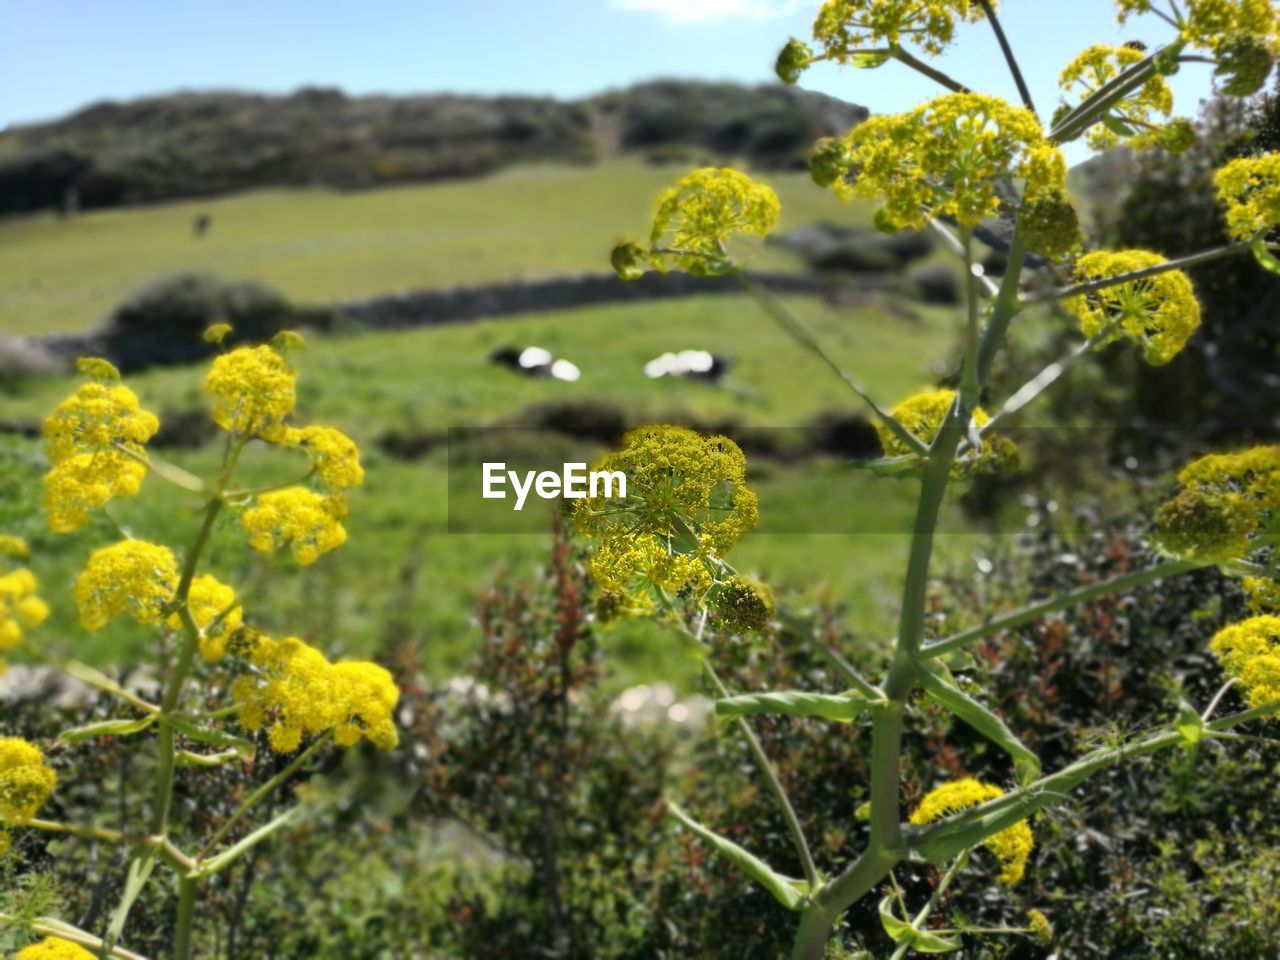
203,144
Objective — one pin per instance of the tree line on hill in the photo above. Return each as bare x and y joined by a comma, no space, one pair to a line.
205,143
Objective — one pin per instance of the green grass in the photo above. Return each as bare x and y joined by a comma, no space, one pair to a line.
402,575
319,246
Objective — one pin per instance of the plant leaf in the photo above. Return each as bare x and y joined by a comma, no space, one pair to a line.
842,708
233,853
1266,259
185,758
900,932
1189,724
105,728
141,862
788,892
216,738
869,61
943,690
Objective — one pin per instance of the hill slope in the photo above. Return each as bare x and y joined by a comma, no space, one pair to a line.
200,144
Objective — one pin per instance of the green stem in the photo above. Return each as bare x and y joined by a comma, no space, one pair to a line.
807,632
1091,109
187,888
261,792
932,73
1182,263
931,905
939,841
775,785
1023,90
801,334
1005,308
1034,611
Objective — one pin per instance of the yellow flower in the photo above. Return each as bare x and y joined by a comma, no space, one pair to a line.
1101,63
20,609
207,599
294,692
95,444
253,390
687,504
1011,846
1158,314
130,577
1250,188
1041,928
15,547
298,517
1264,594
1250,652
1227,501
846,26
1213,24
943,158
701,212
26,781
334,456
924,413
54,948
217,333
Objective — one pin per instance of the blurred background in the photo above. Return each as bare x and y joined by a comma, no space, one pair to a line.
430,191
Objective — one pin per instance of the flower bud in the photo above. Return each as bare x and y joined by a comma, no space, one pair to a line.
1051,225
742,605
628,261
827,161
1244,63
793,60
1198,524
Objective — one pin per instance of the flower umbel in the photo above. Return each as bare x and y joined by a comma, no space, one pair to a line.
698,215
1011,846
95,444
844,27
1158,314
54,948
130,577
253,390
297,517
1136,119
20,608
945,158
1227,502
1250,652
293,691
1250,188
26,781
216,614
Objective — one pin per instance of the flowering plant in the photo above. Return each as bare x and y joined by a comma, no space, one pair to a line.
229,689
946,166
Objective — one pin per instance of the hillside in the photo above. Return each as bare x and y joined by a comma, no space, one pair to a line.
196,144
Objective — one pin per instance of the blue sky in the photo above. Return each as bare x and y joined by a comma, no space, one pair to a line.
58,55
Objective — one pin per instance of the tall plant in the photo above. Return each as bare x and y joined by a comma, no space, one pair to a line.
946,166
280,694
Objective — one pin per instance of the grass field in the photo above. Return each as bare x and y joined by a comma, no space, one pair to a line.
401,572
318,246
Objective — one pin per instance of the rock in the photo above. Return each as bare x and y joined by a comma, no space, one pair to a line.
21,357
935,283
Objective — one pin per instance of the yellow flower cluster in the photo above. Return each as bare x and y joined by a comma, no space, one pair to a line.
20,609
216,614
1228,500
1250,188
1096,66
1158,314
843,27
94,441
297,517
334,456
54,948
26,781
253,390
943,157
1215,23
687,504
131,577
292,689
1264,594
698,215
1011,846
1250,652
924,413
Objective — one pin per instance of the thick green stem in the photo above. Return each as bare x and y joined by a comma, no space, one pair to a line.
1034,611
1023,90
775,785
1005,307
931,72
821,915
186,916
1104,283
